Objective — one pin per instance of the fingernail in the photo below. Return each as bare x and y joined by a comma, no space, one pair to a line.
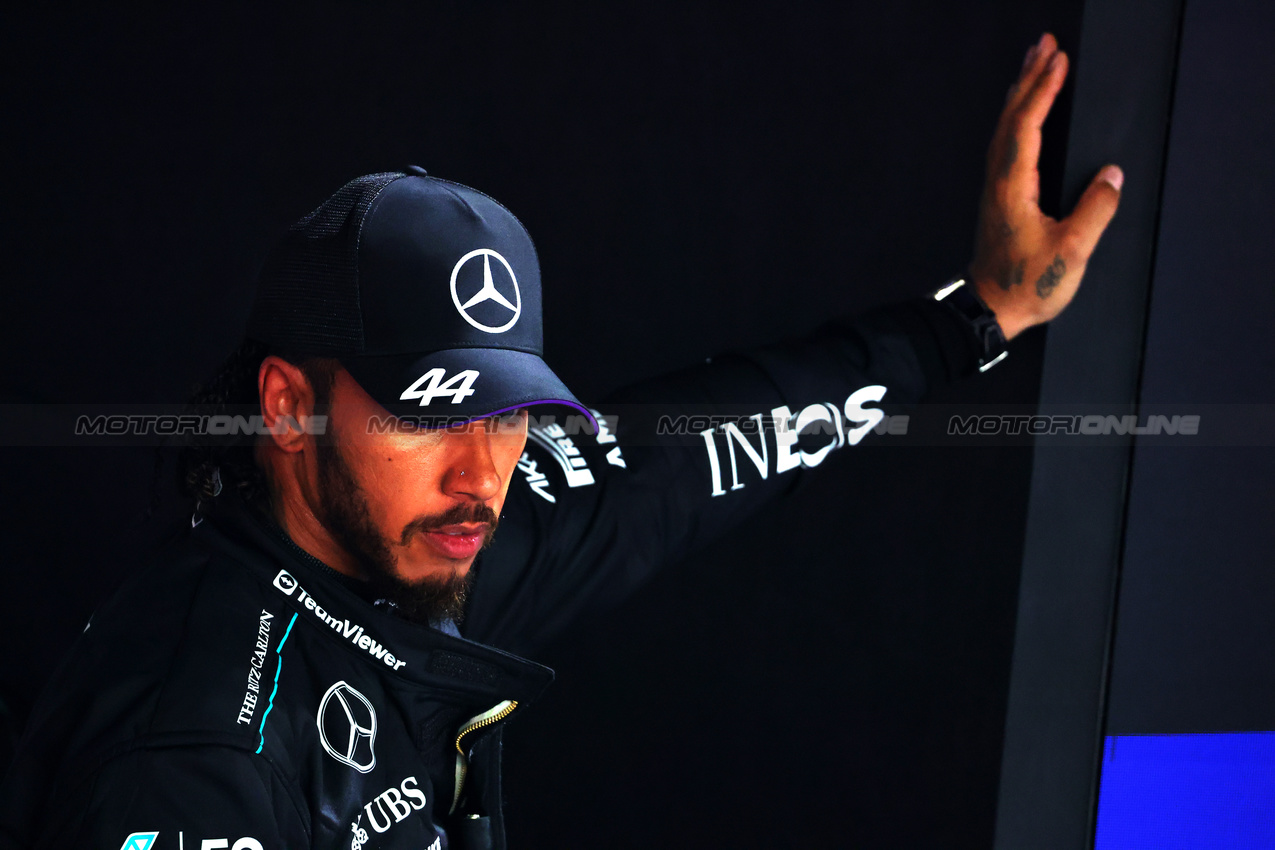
1113,175
1054,62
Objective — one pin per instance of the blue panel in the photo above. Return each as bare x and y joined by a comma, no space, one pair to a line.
1204,792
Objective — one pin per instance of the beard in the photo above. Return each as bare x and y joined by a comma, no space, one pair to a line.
428,601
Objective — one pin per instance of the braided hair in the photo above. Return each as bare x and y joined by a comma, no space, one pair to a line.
208,463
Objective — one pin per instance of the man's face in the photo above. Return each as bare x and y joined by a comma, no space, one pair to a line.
413,507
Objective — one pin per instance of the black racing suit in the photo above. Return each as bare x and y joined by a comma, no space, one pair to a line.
237,693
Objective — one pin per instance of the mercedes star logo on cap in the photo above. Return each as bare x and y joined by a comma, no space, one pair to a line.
502,307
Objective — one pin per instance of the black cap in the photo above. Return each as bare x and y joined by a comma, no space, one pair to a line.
426,291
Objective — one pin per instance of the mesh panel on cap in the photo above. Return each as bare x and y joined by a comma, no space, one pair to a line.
308,295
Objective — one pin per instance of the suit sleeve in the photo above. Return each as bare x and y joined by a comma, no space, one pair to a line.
165,798
682,459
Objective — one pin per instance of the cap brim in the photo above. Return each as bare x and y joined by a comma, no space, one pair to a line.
448,388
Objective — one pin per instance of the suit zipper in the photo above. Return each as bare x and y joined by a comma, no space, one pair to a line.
495,714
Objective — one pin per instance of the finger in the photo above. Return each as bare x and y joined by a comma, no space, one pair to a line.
1040,95
1006,147
1093,213
1034,62
1026,126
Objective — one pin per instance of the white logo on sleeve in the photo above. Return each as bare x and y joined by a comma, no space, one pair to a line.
564,450
500,294
458,386
347,727
751,445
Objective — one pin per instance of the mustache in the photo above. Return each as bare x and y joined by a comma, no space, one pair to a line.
455,515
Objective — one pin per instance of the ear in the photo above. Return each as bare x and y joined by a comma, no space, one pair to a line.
287,401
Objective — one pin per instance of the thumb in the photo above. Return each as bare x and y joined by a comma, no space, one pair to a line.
1094,211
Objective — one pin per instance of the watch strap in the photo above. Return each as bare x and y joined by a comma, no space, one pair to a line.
962,298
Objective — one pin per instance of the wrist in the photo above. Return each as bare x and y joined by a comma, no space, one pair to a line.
1007,309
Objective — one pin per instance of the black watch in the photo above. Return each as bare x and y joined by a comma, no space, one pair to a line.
965,301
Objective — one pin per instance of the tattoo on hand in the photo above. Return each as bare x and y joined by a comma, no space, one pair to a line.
1011,275
1049,280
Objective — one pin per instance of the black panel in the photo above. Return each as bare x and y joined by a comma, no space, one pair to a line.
1195,641
1120,113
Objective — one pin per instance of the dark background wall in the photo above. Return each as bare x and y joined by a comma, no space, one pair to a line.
1195,639
698,176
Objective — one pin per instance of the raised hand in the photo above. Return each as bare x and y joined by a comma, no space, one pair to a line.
1027,266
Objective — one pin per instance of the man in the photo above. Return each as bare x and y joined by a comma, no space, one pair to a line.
323,660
